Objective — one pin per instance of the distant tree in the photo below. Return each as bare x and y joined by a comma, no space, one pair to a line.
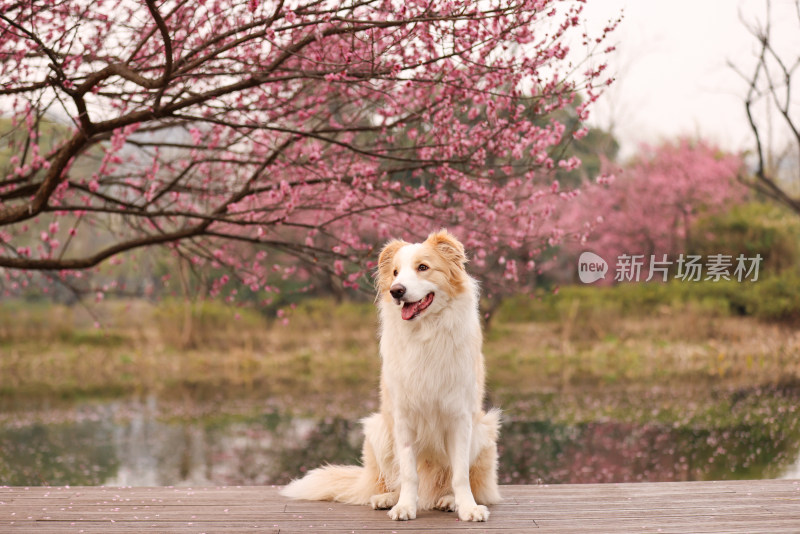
770,92
239,133
651,203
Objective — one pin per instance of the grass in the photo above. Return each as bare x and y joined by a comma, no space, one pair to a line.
668,350
207,350
55,351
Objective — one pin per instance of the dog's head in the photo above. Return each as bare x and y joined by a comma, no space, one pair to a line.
420,275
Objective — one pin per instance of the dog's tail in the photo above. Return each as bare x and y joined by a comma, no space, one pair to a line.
349,484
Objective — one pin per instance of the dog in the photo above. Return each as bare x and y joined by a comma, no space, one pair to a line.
431,446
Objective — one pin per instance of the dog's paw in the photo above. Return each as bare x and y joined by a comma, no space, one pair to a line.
384,501
403,512
446,504
477,512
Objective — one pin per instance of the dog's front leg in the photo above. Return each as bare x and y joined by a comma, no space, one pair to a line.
458,444
406,507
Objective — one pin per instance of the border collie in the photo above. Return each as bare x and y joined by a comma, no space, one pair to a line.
431,446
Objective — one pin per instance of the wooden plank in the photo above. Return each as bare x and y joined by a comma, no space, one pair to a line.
702,507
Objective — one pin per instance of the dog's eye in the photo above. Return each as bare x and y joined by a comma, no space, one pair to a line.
395,272
422,267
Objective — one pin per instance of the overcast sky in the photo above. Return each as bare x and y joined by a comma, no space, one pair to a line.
672,72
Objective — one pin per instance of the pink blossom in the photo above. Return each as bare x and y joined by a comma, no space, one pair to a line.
305,139
649,206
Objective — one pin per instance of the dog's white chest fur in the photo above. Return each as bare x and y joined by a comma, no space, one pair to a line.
430,366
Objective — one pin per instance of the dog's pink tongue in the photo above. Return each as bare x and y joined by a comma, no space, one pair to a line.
409,310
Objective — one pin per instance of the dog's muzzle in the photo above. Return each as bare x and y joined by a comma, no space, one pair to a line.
397,291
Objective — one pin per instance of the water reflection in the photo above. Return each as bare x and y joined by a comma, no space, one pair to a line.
124,443
130,444
622,452
80,453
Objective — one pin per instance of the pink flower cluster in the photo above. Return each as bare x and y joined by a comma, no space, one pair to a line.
230,130
649,205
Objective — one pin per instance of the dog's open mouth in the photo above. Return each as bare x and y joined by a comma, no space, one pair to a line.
413,309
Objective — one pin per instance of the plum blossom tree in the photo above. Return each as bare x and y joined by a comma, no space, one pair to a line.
649,206
232,130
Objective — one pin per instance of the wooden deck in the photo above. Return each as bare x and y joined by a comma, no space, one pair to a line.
683,507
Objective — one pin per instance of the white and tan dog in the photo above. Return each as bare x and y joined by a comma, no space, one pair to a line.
431,445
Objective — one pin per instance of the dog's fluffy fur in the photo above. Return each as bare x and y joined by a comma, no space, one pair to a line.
431,445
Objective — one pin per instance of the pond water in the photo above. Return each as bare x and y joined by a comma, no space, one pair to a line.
142,443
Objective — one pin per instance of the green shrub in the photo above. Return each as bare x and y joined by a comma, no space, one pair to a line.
750,229
771,298
775,298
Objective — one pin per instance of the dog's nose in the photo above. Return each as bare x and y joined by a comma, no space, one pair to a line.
397,291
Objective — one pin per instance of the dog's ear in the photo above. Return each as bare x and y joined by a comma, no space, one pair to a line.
448,246
385,260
